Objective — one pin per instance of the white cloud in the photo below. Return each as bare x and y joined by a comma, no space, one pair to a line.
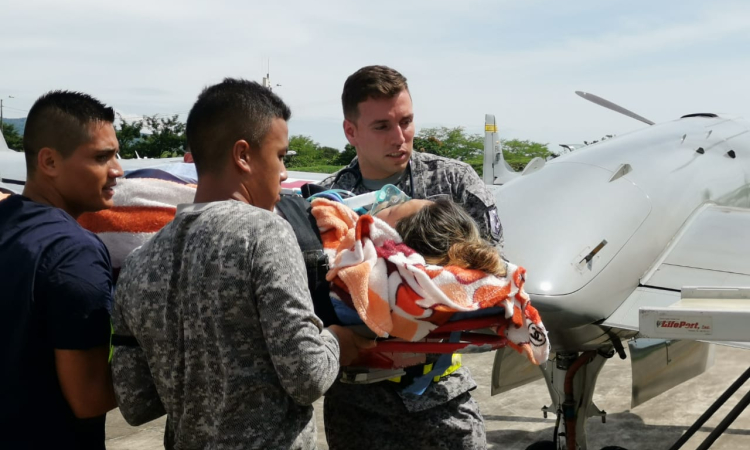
519,60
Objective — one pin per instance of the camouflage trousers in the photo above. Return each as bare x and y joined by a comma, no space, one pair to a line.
377,419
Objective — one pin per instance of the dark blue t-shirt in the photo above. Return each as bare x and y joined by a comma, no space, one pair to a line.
55,293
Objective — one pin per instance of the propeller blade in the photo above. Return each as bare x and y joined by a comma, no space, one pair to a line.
609,105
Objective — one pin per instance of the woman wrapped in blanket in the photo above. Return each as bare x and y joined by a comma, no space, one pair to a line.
382,285
444,234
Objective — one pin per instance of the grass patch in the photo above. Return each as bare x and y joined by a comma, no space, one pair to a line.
316,169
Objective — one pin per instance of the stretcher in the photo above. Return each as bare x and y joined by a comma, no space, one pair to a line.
421,347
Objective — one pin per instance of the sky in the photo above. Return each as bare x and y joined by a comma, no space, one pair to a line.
520,60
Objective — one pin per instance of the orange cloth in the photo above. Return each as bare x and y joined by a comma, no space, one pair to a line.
396,293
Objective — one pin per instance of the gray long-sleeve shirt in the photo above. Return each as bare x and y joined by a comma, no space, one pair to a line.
229,347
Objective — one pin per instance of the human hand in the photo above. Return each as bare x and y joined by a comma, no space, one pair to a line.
350,344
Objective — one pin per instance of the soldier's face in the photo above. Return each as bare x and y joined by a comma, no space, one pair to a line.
86,178
383,135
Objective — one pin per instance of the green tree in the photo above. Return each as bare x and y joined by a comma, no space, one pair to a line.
312,157
452,143
13,138
518,153
165,140
428,145
345,158
328,154
129,137
307,152
529,149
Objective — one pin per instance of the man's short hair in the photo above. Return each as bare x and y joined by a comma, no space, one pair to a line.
225,113
60,120
370,82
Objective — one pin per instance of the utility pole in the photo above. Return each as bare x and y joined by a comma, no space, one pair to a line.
1,113
267,79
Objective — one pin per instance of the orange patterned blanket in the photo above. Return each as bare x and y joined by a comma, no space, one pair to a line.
398,295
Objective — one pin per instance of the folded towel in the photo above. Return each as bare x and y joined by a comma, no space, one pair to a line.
397,294
142,207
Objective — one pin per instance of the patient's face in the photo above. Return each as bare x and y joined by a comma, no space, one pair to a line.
395,213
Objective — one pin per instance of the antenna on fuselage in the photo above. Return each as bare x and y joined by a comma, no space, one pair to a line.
614,107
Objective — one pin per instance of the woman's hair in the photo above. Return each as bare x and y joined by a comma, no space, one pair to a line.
445,234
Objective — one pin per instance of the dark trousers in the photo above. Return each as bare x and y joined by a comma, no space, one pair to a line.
378,420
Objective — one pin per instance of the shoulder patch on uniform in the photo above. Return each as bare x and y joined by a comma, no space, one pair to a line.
495,228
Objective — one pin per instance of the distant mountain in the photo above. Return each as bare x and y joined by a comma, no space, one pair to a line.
19,123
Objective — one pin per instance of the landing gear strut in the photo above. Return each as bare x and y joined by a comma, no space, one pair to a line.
571,382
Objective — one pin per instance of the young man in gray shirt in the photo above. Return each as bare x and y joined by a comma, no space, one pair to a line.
214,324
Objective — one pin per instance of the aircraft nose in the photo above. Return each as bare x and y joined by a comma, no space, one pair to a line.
566,226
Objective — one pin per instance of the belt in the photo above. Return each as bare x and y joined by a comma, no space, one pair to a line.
423,369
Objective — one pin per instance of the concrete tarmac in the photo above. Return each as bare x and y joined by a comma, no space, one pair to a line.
514,420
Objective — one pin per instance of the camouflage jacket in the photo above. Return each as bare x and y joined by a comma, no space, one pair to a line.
434,175
229,346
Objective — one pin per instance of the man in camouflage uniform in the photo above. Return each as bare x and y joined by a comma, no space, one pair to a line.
379,124
213,321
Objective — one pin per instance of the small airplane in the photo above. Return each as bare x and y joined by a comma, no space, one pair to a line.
13,170
13,167
609,231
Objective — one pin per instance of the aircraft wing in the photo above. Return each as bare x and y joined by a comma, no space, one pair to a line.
308,176
3,144
187,173
711,249
12,169
295,181
143,163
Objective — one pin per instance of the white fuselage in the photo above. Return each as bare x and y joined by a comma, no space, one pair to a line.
553,218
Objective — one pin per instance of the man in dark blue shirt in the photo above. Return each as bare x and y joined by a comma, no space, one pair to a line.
56,281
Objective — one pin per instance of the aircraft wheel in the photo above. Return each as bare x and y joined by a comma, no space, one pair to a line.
542,445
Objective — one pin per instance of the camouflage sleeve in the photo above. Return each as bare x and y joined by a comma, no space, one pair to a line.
305,357
134,386
328,182
479,202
